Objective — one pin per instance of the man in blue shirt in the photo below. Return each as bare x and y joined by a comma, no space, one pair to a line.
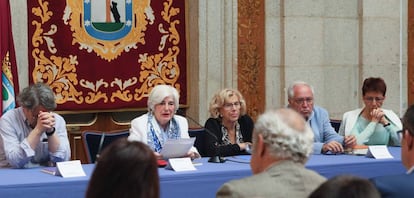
326,139
402,185
33,135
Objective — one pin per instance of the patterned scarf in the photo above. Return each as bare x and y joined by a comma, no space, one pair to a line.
226,139
157,136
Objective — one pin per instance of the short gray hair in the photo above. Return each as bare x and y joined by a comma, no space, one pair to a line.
159,92
295,83
286,134
35,95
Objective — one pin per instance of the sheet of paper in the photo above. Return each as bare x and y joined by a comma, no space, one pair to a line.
177,148
70,169
379,152
180,164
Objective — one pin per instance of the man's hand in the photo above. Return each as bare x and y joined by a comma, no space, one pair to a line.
45,121
333,147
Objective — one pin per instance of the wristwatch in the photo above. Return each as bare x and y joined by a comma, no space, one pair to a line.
50,133
388,124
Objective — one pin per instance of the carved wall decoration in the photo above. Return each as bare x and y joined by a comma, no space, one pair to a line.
251,68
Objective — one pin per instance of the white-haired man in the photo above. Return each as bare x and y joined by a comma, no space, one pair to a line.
300,97
282,143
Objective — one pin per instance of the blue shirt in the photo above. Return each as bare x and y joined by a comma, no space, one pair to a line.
395,186
15,150
322,129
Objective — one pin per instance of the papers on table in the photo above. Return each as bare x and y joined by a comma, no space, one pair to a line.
177,148
379,152
180,164
375,151
66,169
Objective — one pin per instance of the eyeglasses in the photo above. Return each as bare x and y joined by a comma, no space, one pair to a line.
371,99
231,105
301,101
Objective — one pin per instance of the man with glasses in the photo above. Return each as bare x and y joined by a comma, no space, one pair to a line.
32,135
326,139
401,185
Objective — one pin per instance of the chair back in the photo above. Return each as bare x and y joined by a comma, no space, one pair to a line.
336,124
95,141
199,134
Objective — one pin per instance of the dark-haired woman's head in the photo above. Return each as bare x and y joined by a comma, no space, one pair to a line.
125,169
374,85
373,93
346,186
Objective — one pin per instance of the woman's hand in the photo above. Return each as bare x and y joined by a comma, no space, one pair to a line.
350,141
244,146
193,155
157,155
377,115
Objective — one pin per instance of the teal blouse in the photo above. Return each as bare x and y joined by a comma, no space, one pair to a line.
372,133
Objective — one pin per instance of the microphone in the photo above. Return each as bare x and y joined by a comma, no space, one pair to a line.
101,141
213,159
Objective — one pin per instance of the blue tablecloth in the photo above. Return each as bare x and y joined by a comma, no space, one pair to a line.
203,182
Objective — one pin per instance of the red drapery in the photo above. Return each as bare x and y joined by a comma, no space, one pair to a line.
9,81
101,55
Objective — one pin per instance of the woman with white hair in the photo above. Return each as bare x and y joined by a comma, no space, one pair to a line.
161,123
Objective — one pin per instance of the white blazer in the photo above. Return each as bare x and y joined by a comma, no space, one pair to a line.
139,129
349,119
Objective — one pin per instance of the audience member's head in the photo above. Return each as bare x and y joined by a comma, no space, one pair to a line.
346,186
125,169
280,135
300,98
407,138
401,185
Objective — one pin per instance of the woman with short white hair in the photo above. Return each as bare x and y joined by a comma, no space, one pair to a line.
160,123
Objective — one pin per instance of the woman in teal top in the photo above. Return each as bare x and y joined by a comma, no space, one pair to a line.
372,125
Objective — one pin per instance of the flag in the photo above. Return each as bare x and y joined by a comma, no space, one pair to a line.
9,80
